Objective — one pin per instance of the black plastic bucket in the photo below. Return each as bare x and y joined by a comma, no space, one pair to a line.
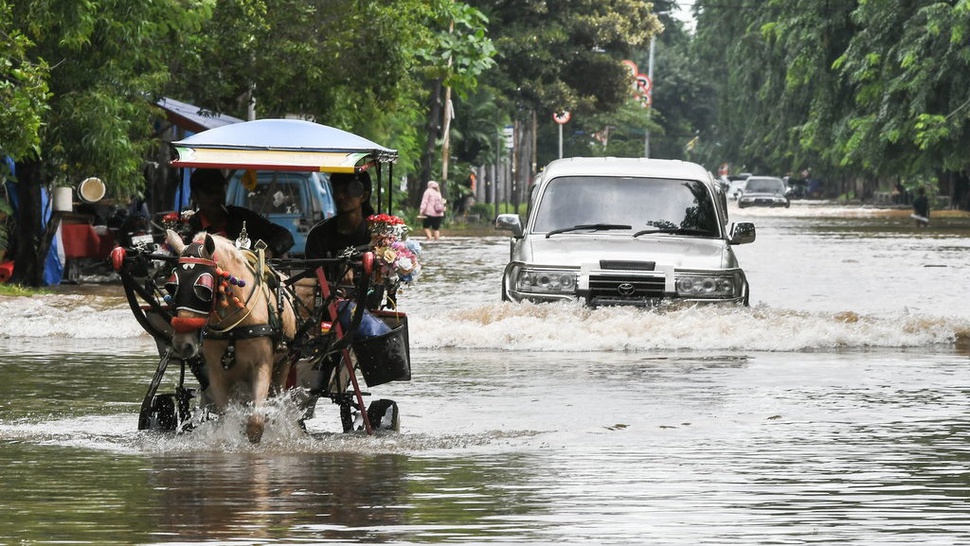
386,357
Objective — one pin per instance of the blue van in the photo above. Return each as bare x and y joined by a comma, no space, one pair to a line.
294,200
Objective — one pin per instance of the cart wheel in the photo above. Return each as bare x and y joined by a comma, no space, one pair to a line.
347,417
163,414
383,415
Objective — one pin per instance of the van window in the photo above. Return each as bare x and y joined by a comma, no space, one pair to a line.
277,193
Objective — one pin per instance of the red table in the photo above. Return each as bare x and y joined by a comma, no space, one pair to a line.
82,241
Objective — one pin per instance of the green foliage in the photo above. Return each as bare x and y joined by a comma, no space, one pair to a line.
474,132
565,56
876,88
460,51
16,290
106,58
23,91
336,61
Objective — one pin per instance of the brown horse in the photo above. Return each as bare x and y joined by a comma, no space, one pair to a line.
245,328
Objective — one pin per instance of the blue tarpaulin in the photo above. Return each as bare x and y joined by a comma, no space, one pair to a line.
53,268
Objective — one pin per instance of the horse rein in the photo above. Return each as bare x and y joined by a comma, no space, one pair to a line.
257,285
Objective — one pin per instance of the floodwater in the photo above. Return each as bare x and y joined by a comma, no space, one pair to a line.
834,410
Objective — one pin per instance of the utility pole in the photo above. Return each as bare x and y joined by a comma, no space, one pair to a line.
646,138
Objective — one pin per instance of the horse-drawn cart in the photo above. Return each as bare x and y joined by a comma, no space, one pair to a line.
225,315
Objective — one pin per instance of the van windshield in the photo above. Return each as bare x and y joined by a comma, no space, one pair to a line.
569,201
765,185
277,193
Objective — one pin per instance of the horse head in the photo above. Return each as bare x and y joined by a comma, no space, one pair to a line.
191,291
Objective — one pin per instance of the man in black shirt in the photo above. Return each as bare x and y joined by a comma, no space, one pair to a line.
214,216
329,238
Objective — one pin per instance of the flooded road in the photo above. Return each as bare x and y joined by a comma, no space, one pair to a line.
834,410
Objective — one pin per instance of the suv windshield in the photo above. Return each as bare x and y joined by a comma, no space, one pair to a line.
668,205
765,185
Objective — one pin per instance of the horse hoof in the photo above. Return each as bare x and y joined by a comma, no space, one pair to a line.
254,431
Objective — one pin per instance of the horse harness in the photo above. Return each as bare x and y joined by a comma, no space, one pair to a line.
207,279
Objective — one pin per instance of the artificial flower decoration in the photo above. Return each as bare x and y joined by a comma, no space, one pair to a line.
179,223
396,255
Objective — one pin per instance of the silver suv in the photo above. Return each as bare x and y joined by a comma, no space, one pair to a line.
625,231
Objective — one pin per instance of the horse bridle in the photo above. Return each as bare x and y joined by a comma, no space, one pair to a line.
206,279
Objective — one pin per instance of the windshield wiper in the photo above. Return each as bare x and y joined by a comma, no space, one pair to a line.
596,227
674,231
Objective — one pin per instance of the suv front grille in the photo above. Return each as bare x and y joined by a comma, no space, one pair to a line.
628,289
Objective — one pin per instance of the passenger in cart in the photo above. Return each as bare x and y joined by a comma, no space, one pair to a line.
329,238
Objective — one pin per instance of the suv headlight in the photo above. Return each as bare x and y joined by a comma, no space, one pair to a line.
708,285
545,280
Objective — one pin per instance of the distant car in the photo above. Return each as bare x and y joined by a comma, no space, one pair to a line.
625,231
294,200
764,191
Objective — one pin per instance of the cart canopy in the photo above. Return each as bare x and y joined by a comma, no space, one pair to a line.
281,145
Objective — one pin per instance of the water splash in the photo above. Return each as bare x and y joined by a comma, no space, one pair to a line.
575,328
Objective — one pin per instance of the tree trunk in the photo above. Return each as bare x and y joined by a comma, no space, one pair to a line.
416,187
28,264
446,143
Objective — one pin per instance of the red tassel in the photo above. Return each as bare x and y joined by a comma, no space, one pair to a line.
188,324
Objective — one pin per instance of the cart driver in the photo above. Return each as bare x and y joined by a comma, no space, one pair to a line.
331,237
348,228
214,216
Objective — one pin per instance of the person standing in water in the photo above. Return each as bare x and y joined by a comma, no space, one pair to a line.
432,210
921,208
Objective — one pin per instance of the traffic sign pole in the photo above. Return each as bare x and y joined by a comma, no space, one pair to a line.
561,118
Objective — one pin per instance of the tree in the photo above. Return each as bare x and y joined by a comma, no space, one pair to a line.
908,67
344,63
681,101
359,66
23,90
23,103
868,90
453,59
559,57
105,57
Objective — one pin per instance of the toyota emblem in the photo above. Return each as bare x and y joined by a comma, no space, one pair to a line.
626,289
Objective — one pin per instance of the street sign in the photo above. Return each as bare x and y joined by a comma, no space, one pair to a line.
632,67
562,117
643,84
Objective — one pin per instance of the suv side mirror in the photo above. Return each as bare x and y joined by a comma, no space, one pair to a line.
742,233
509,222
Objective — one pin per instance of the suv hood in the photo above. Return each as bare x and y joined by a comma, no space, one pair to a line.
673,250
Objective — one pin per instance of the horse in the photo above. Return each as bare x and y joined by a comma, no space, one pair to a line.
246,323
